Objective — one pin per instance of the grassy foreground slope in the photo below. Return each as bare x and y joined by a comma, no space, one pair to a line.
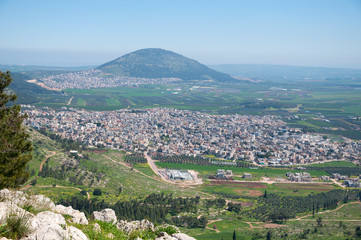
68,175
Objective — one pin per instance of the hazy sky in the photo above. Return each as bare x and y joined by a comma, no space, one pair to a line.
86,32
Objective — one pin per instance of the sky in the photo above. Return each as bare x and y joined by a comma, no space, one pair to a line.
92,32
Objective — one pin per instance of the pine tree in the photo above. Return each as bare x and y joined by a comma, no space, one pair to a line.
15,147
269,235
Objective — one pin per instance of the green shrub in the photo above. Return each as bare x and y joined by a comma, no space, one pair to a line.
15,227
106,228
146,234
166,228
28,207
97,192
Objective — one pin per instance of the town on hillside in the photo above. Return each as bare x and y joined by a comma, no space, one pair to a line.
261,140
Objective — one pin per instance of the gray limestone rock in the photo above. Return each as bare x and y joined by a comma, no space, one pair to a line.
77,216
129,227
165,236
51,231
76,234
40,202
46,225
52,226
110,235
16,197
47,218
105,215
97,227
8,208
182,236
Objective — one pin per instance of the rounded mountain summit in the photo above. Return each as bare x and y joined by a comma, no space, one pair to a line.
160,63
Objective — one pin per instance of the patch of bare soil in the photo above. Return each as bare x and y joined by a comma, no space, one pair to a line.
237,184
34,81
254,193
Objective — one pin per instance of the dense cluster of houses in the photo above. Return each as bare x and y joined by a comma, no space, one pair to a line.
94,78
262,140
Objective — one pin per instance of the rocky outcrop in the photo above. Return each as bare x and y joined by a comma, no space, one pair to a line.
47,232
129,227
110,236
8,208
40,202
175,236
46,225
105,215
37,202
47,218
182,236
16,197
165,236
97,228
77,216
50,224
76,234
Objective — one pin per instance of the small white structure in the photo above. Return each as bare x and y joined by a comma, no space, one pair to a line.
247,176
183,175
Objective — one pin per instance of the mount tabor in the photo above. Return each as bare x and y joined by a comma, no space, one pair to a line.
160,63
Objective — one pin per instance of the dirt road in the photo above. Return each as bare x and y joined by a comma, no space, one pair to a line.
155,168
71,99
135,170
211,228
40,169
328,211
338,183
46,158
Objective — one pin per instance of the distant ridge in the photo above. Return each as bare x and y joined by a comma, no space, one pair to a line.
285,73
26,91
160,63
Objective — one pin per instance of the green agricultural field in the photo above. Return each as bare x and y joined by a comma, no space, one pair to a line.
144,168
242,189
333,164
299,189
257,174
81,102
256,189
